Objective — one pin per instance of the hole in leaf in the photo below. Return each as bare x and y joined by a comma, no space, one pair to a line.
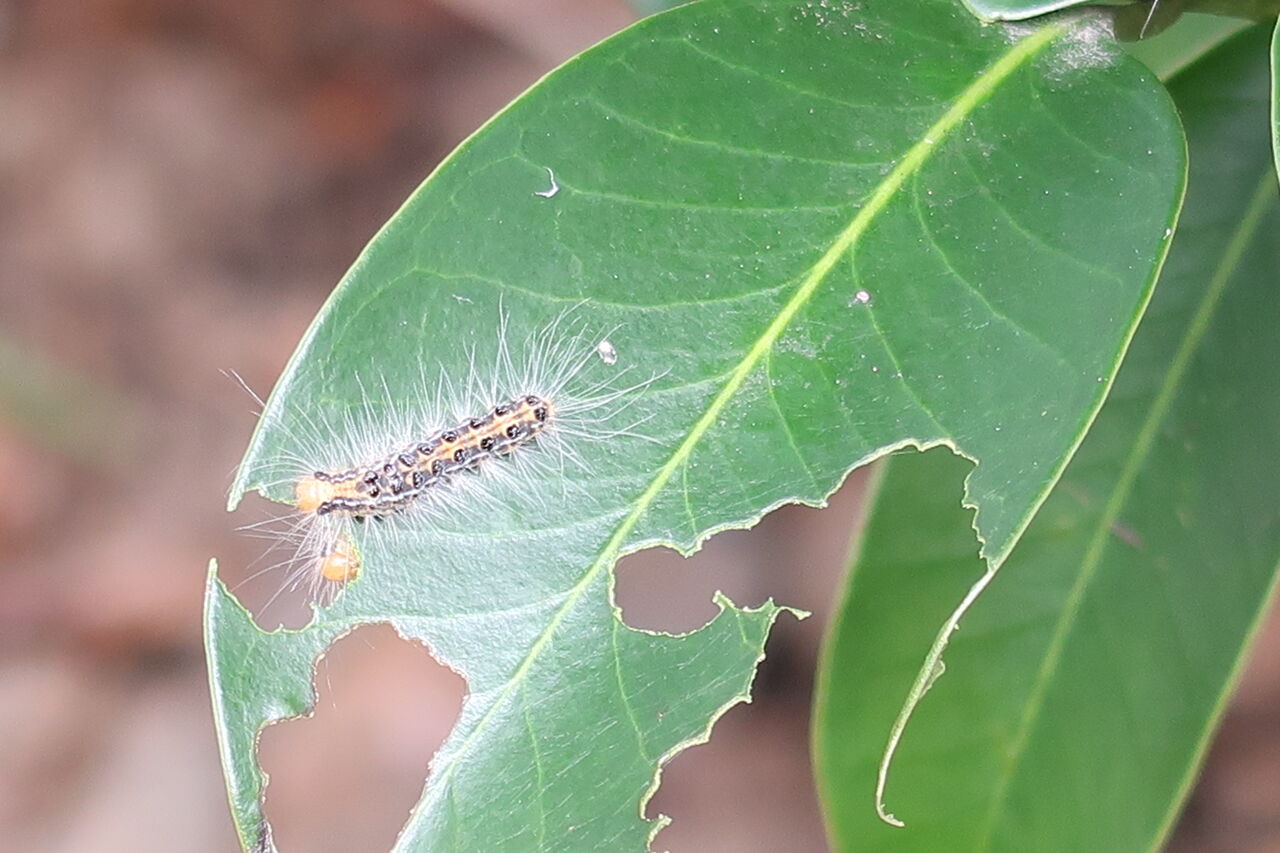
751,786
260,567
346,778
793,555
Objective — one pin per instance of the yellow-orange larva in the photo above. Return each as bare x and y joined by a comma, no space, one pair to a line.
342,564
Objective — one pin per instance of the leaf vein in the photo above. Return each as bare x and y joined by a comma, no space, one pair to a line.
537,765
1063,254
977,293
786,424
798,90
622,692
719,145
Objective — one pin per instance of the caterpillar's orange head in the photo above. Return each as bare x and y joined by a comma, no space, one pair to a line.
311,492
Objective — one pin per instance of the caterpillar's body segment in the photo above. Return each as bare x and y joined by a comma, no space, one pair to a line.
390,484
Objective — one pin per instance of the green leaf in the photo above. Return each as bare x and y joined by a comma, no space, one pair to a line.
823,233
652,7
1135,18
1083,687
1145,19
1183,43
1020,10
1275,95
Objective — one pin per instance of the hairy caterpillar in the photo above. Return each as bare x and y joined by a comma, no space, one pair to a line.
403,456
391,484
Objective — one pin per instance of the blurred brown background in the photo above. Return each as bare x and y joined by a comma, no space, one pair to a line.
181,184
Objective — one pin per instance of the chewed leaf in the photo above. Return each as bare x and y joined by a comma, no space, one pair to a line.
1082,693
792,236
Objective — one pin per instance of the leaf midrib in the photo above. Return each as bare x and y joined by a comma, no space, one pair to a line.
1090,562
964,105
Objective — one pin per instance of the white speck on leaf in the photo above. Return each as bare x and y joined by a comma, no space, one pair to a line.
555,188
607,352
1089,44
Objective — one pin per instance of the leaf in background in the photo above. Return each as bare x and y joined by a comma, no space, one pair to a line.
652,7
1275,96
1151,17
1134,18
1020,10
80,416
828,231
1083,687
1183,43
